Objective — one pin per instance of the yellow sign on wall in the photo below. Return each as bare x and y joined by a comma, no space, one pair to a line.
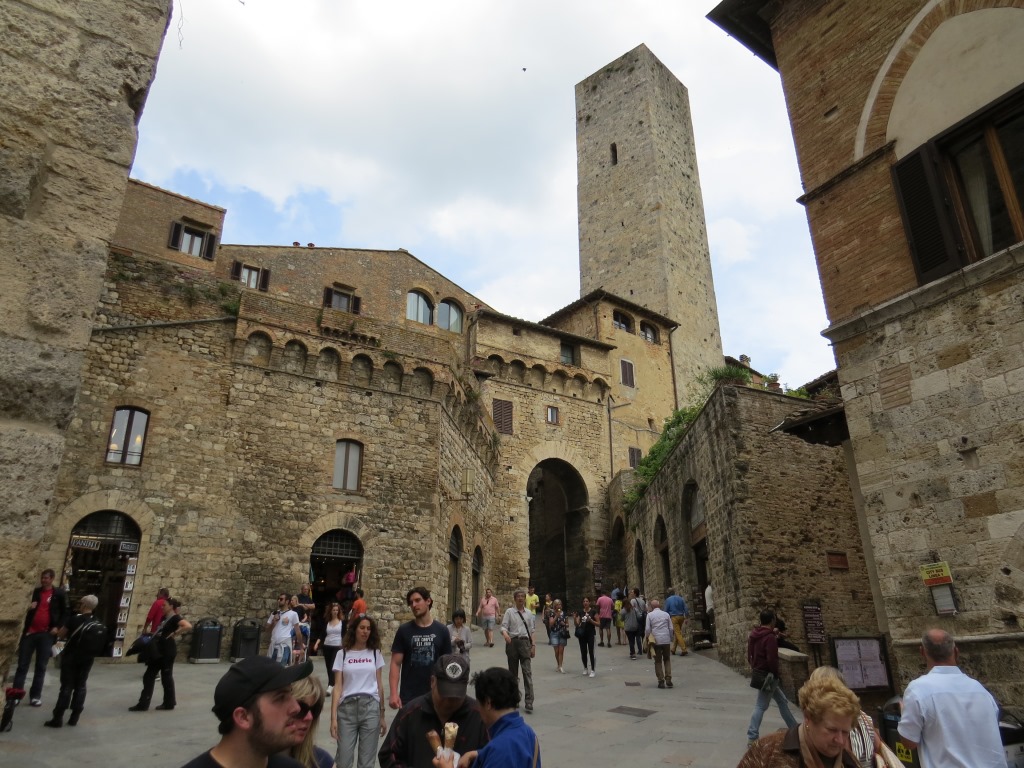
934,574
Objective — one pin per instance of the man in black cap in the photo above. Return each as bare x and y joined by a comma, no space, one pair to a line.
406,745
258,715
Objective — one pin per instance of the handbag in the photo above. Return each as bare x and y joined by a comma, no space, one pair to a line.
581,631
759,678
57,648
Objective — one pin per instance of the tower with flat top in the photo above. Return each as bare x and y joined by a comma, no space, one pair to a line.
641,214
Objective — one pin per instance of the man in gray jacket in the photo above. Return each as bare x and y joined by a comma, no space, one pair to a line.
659,624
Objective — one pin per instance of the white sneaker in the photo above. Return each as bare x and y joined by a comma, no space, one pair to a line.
585,672
592,673
329,689
561,671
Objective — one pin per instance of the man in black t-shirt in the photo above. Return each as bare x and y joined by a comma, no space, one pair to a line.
418,644
258,716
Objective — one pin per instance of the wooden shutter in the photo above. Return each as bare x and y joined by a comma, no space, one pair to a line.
264,279
627,373
635,454
928,218
236,270
209,246
328,296
174,241
503,416
354,304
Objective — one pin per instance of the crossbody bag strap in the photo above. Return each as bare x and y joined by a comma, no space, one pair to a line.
526,626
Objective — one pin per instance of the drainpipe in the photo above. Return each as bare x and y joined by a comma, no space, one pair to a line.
672,362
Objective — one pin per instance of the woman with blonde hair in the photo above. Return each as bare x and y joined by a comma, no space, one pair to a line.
309,692
864,741
820,741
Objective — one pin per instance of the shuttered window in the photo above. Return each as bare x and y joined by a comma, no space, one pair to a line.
193,241
250,276
341,299
635,454
503,416
626,369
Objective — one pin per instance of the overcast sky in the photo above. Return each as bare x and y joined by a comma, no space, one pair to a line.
448,128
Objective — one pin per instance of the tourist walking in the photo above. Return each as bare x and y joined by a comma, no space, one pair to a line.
605,608
631,623
763,656
282,623
518,627
159,655
675,606
329,642
156,611
462,636
659,627
417,645
357,699
487,613
558,632
76,662
586,624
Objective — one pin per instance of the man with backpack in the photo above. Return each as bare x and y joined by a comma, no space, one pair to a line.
86,639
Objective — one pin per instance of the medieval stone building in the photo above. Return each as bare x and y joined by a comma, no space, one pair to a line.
907,117
253,416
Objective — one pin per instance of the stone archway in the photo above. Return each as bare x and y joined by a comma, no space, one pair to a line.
560,559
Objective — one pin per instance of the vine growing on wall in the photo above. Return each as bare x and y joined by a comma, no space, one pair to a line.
677,424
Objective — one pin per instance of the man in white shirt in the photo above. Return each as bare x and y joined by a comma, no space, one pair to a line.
948,716
284,623
659,624
517,627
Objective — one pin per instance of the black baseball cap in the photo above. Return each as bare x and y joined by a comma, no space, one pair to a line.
452,675
250,677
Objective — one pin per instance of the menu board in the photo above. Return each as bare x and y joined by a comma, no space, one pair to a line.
862,661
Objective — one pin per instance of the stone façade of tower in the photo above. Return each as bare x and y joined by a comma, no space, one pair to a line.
641,213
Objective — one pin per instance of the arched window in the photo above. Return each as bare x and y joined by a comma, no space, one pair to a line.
449,316
661,545
649,333
622,321
348,465
638,561
419,308
454,570
127,436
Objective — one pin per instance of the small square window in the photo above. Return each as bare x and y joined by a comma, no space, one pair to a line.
250,276
193,241
552,414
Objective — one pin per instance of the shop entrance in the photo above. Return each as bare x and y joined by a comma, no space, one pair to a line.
101,560
335,569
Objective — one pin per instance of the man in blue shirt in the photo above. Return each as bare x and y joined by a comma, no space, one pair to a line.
513,744
675,607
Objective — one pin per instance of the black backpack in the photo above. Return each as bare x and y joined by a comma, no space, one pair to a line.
90,638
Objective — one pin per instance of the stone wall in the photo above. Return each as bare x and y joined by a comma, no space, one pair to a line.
73,81
774,508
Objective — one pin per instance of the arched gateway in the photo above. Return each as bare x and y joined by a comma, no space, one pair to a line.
560,557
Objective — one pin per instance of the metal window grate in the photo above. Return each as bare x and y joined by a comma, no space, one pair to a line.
338,544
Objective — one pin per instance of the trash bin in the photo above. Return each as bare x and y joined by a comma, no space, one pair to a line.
245,639
206,634
889,720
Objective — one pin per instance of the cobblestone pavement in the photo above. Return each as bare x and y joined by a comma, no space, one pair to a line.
701,722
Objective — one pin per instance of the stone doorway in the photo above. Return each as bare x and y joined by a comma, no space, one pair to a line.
335,569
559,538
101,560
454,572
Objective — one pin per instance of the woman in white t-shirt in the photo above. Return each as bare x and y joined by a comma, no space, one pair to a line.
331,639
357,701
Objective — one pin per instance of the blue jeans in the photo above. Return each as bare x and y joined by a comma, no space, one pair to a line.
358,720
40,644
763,699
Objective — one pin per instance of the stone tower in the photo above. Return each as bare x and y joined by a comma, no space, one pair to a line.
641,214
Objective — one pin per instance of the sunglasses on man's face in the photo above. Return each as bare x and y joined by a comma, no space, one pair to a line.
305,709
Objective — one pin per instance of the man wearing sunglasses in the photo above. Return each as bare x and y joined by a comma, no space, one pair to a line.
258,716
